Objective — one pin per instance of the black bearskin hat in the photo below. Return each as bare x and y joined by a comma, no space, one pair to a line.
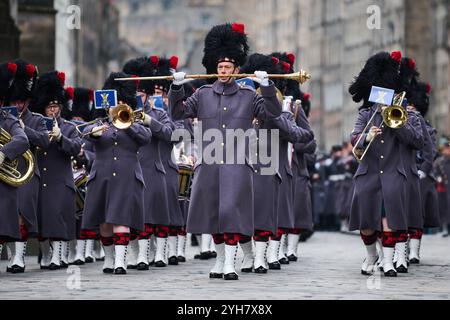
305,98
66,111
82,103
262,62
287,61
418,96
163,67
408,74
24,81
226,42
126,90
7,73
49,88
382,70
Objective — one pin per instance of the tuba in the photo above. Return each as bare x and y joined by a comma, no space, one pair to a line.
8,169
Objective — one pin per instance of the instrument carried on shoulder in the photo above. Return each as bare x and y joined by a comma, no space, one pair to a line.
9,172
394,117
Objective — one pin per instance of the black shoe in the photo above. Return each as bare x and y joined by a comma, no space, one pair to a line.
108,270
78,262
231,276
64,265
100,259
213,275
247,270
402,269
181,259
414,261
390,274
120,270
133,267
17,269
260,270
8,269
284,261
142,266
205,255
45,267
197,256
53,266
173,261
292,258
213,254
88,260
160,264
151,263
274,266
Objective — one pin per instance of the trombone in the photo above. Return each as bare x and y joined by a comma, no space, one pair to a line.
301,76
122,118
394,117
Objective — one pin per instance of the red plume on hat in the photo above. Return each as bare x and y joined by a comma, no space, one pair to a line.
12,67
238,27
412,63
62,78
307,96
70,92
136,81
397,56
154,60
291,58
173,62
286,67
428,88
91,95
30,69
275,61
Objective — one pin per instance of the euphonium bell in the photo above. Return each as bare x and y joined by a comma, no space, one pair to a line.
9,172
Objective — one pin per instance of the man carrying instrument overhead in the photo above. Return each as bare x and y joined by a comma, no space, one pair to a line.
33,124
13,143
56,209
379,203
222,193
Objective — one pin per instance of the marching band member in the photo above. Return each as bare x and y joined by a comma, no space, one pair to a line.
302,194
224,212
419,101
56,209
442,169
9,150
379,201
34,126
156,205
115,189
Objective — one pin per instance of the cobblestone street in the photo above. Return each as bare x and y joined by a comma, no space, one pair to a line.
328,269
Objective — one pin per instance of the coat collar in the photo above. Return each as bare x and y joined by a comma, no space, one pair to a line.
225,89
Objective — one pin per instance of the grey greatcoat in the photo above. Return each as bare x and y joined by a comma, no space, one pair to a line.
303,217
442,167
413,195
222,194
56,209
381,177
37,134
9,207
115,189
266,187
428,184
156,205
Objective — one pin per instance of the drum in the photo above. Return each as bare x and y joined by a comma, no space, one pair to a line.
186,175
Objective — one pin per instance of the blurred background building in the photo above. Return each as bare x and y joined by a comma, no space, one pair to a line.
330,39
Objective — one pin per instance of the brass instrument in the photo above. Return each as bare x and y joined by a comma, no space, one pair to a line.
8,169
123,117
301,76
394,117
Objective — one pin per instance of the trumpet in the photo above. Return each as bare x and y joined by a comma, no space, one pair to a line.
122,118
301,76
394,117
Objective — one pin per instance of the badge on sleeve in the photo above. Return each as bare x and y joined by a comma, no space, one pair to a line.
246,82
105,99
